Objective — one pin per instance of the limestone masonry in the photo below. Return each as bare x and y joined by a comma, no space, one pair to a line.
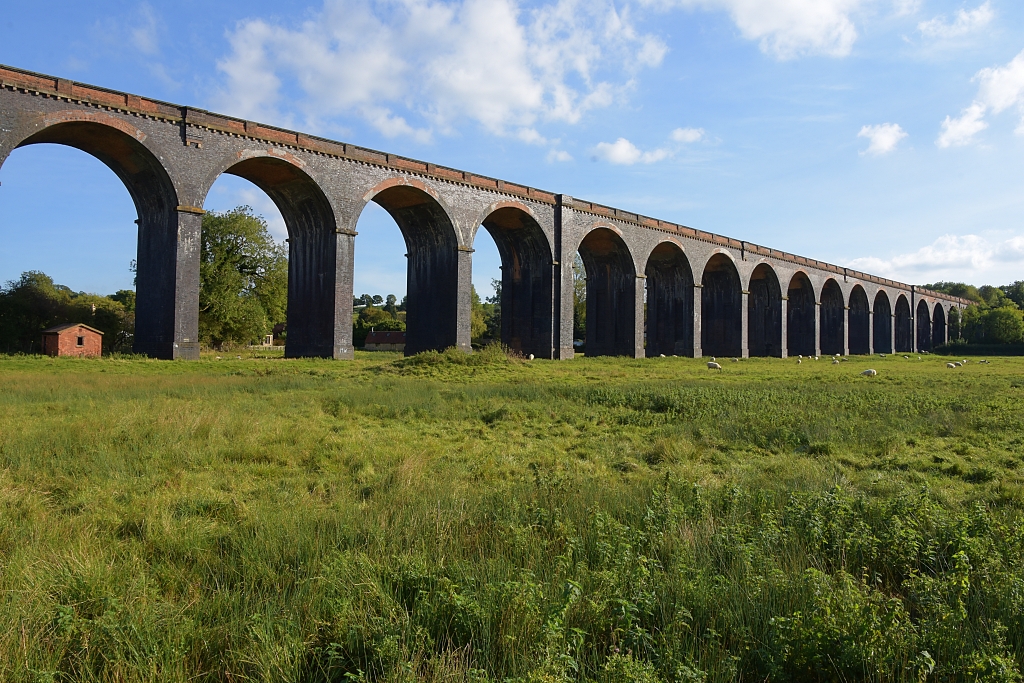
706,294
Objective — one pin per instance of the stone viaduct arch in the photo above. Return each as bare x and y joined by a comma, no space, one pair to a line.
705,294
669,301
764,313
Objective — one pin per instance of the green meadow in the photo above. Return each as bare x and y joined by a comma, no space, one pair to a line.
483,518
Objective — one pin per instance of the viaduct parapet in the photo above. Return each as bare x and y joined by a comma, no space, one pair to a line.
705,294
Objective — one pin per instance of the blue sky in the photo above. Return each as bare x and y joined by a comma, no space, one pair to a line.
882,134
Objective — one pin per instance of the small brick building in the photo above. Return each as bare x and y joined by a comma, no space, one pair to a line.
72,339
385,340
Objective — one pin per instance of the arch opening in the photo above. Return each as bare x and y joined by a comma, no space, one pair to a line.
801,327
833,314
432,274
312,254
157,309
764,313
611,294
904,326
924,327
882,323
526,302
721,308
860,322
669,302
938,326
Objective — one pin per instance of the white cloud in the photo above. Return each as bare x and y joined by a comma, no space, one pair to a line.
144,35
903,8
787,29
436,63
558,155
999,89
964,22
884,137
687,135
971,258
624,152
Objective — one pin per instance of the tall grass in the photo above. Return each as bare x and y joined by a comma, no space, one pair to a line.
483,518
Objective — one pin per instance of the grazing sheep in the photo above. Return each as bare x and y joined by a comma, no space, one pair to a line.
799,361
661,355
835,361
869,373
950,365
958,364
530,357
800,357
735,360
815,358
713,359
714,366
881,355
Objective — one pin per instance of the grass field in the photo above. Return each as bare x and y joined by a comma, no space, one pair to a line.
476,518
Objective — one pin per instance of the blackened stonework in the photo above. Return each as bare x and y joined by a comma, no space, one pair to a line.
653,287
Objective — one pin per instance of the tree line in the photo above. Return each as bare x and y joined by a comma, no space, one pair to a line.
996,315
243,296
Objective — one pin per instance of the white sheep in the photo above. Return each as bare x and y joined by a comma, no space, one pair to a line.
735,360
661,355
799,361
714,366
530,357
869,373
815,358
950,365
713,359
958,364
835,361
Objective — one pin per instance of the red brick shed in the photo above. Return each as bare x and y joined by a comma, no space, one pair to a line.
385,340
72,339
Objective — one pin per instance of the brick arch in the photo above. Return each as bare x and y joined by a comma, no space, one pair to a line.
882,321
801,313
126,151
859,320
527,303
764,311
923,318
312,242
939,327
669,281
434,249
832,314
721,307
611,292
904,325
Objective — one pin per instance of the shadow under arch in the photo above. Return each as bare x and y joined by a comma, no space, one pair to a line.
924,326
611,294
904,325
312,253
800,325
860,322
158,310
833,324
764,313
669,302
721,314
526,281
432,279
938,326
882,323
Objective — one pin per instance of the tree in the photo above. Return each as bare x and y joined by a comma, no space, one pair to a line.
34,302
960,289
477,317
579,290
1015,293
390,307
243,278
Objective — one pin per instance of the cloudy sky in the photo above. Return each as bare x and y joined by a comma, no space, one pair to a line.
886,135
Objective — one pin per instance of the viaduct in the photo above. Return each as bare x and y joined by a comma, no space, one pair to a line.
705,294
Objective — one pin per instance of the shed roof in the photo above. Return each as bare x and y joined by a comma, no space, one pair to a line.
385,337
66,326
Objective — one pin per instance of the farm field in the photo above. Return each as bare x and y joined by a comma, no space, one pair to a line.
479,518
